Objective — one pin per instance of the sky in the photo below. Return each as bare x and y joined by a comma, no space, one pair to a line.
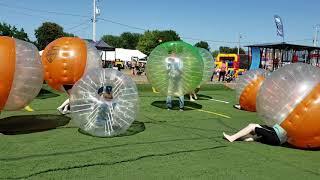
217,22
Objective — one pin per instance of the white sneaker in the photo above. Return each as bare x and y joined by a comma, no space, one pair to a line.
60,110
192,100
66,112
237,106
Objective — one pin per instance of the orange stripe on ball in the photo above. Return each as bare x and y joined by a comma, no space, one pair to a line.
7,67
303,123
64,61
249,94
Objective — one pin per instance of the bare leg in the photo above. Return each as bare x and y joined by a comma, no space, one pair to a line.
63,105
195,95
243,132
191,99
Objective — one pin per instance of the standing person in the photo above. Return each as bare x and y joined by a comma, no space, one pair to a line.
174,67
194,95
133,66
213,74
222,72
181,102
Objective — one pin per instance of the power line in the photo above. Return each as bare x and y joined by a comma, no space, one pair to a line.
40,10
46,19
78,25
121,24
82,29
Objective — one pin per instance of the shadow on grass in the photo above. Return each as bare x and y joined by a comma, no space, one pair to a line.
135,128
31,123
188,105
45,94
287,145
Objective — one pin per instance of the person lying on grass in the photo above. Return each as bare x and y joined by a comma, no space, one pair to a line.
275,135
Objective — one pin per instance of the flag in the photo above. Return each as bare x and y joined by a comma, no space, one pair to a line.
279,25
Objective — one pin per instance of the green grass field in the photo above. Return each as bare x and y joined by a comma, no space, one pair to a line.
161,144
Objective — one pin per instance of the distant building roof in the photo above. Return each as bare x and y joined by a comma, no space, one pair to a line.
101,45
285,46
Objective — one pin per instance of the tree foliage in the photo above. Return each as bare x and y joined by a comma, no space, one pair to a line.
49,32
225,49
130,40
152,39
112,40
12,31
215,53
203,44
126,40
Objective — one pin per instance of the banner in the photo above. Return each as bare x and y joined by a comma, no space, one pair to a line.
255,58
279,25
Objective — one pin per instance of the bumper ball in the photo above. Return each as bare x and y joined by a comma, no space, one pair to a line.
247,88
175,68
104,102
290,97
66,59
208,65
21,73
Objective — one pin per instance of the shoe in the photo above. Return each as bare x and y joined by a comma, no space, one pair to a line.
28,108
168,109
181,110
237,106
60,110
192,100
64,112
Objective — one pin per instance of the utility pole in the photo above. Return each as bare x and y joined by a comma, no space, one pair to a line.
96,12
315,40
239,37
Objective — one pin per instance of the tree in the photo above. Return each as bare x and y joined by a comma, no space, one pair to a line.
215,53
68,34
151,39
225,49
130,40
203,44
12,31
114,41
168,35
47,33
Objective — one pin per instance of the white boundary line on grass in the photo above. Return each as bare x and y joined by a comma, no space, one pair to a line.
217,100
210,112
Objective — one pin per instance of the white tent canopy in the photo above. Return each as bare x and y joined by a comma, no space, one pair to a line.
122,54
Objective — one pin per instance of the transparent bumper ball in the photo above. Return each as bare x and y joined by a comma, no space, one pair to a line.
175,68
66,59
208,65
21,73
247,88
290,97
104,102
